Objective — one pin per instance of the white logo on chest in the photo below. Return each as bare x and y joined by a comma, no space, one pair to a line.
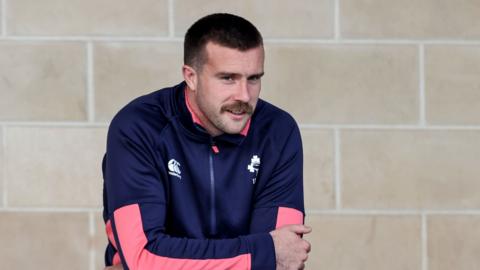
174,168
253,167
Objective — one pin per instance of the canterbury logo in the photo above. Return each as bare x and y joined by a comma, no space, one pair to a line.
253,167
174,168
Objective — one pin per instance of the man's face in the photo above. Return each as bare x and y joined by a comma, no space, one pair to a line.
228,86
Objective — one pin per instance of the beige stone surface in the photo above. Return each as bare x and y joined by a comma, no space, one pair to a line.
452,85
437,19
124,71
364,242
88,17
54,167
453,242
318,157
345,84
42,81
2,9
44,240
273,18
432,169
2,167
100,241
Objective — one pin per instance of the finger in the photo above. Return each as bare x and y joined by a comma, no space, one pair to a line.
304,257
308,246
299,229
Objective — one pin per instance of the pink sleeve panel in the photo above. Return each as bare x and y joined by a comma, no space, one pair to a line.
108,227
132,240
288,216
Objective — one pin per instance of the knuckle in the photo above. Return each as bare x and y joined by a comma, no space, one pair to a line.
308,246
304,257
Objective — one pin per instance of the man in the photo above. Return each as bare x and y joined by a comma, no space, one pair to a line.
205,175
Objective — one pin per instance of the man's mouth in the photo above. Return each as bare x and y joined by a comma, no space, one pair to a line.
238,108
236,112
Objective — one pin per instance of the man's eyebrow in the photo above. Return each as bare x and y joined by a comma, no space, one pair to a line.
257,75
233,74
221,74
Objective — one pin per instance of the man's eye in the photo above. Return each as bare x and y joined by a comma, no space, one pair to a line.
227,78
254,79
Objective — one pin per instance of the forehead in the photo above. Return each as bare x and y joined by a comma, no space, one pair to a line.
226,59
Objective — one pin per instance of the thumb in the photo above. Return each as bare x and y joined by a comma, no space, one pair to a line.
299,229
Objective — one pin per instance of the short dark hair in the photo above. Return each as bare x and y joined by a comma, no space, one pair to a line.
223,29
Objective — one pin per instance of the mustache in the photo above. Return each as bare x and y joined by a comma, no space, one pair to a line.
238,106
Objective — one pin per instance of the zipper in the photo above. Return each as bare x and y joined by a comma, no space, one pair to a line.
213,210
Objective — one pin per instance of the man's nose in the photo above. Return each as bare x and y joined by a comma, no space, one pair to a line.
242,93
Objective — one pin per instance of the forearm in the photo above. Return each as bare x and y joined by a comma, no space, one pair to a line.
161,251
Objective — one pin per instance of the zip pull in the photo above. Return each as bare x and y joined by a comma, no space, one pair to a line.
214,147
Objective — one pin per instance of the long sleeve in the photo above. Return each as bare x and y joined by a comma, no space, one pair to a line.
134,182
281,200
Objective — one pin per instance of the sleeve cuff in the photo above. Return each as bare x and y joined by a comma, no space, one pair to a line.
263,251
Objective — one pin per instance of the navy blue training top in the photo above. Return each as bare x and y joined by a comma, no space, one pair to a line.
177,198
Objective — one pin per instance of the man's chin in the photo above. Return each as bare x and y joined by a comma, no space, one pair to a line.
234,125
235,128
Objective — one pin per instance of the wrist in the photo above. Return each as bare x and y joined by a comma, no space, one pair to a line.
262,249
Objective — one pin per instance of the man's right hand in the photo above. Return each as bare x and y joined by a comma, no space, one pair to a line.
291,250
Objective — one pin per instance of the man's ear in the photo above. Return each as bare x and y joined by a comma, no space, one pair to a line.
190,76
